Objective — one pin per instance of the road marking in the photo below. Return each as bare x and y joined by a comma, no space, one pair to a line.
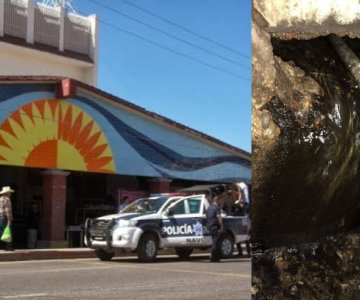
200,272
56,270
37,261
23,296
143,267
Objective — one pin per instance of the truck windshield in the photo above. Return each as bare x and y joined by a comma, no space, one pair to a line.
145,205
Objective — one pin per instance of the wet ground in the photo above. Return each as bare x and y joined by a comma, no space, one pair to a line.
310,186
306,157
326,269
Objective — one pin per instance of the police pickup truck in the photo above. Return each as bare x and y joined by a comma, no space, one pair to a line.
153,223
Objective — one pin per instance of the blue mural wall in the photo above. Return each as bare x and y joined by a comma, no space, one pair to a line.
87,134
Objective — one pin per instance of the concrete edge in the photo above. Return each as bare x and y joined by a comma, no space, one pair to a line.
66,253
22,255
71,253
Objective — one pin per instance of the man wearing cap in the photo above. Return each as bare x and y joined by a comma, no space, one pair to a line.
5,210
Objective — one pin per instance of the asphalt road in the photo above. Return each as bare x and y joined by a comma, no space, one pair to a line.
126,278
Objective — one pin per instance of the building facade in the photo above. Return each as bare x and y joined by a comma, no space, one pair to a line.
72,151
85,146
42,40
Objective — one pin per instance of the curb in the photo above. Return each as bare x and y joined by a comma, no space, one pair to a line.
66,253
42,254
70,253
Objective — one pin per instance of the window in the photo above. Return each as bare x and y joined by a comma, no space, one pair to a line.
179,208
170,202
194,205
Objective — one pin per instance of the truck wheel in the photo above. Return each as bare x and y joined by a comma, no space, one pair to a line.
226,245
183,252
103,255
147,248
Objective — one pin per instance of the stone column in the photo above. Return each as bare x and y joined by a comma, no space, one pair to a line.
159,185
2,16
30,22
54,208
62,29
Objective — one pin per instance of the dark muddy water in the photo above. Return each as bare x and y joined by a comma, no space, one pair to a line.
311,188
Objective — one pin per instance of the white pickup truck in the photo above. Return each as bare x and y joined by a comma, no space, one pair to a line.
153,223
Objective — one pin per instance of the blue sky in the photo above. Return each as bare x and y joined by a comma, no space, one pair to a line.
187,78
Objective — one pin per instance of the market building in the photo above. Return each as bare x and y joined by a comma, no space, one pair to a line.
71,150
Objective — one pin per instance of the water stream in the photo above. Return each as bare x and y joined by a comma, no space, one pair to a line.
312,186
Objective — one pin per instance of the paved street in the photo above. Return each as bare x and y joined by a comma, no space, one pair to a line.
126,278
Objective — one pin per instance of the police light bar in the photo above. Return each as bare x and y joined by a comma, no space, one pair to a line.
168,194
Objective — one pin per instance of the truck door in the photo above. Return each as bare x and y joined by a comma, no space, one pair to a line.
183,222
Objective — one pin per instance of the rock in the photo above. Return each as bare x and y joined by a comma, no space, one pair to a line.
299,272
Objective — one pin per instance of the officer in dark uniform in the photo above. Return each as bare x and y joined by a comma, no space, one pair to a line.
214,224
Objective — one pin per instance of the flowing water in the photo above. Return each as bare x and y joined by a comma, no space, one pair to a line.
312,186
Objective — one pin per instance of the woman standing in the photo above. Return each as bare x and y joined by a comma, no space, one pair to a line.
5,212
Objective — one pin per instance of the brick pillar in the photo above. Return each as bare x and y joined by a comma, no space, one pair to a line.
159,185
54,208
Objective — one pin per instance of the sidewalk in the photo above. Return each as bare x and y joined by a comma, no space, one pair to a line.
66,253
63,253
37,254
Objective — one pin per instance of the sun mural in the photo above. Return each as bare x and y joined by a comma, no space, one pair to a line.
54,134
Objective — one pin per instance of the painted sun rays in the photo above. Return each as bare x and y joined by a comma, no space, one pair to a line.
54,134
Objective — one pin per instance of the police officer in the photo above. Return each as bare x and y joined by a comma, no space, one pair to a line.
214,224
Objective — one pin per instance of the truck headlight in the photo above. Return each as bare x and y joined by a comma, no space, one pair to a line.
125,223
